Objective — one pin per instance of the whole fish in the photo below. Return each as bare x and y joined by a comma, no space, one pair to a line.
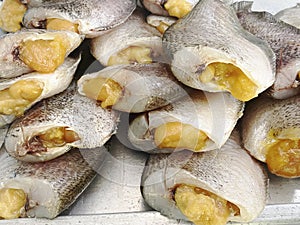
209,50
284,41
35,50
89,18
271,133
206,188
198,122
131,42
132,88
169,7
290,16
20,93
59,123
43,189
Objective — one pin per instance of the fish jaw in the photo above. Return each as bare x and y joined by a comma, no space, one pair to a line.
92,18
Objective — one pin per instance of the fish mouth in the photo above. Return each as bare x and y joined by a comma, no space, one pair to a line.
50,141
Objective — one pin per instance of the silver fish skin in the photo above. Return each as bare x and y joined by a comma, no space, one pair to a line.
229,172
93,125
92,16
53,83
159,86
134,32
264,115
211,33
215,114
284,41
10,64
51,187
290,16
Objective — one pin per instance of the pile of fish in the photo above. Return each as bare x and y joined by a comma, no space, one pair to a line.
211,90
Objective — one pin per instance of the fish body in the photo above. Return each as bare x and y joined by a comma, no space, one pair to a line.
134,32
228,172
50,84
270,132
159,87
10,63
266,27
91,16
215,114
93,127
50,187
210,34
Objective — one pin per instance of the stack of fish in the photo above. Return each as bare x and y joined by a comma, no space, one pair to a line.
210,90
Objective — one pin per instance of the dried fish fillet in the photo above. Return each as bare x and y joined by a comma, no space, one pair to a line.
20,93
271,133
119,87
43,189
132,42
59,123
221,55
284,41
206,188
35,50
89,18
198,122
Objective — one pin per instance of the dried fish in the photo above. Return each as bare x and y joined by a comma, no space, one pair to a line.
132,88
90,17
20,93
206,188
59,123
35,50
133,41
198,122
43,189
284,41
271,133
209,50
